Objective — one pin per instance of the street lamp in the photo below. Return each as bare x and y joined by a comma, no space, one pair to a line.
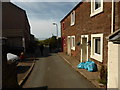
56,28
57,33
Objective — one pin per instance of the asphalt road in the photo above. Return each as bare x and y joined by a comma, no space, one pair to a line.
52,71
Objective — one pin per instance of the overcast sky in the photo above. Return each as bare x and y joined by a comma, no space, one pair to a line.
41,16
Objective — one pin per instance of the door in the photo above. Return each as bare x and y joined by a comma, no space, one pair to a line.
84,48
69,45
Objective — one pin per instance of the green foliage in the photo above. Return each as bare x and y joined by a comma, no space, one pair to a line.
59,42
103,81
53,42
103,75
50,41
36,41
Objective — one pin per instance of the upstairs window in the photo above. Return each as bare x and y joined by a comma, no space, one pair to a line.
72,18
97,4
96,7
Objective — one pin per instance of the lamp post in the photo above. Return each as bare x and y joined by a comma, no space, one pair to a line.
56,28
56,33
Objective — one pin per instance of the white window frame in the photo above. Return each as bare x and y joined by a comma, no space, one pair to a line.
72,18
72,45
69,45
97,11
98,57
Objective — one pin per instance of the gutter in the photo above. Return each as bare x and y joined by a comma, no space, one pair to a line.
112,18
72,10
112,21
113,35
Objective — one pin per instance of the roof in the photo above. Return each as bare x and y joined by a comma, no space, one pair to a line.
19,9
72,10
15,6
114,37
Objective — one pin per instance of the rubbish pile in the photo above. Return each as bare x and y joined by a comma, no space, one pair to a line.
12,57
88,65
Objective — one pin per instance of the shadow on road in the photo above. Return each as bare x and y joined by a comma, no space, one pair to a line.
46,53
22,69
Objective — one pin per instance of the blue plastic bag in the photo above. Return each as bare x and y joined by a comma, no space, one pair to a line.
86,65
81,65
92,67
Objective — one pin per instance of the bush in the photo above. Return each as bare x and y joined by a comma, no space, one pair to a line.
103,75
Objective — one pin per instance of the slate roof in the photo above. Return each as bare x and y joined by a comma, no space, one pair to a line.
114,37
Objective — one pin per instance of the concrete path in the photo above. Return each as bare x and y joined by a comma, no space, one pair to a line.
52,71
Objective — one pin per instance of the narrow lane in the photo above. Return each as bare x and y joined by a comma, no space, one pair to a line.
54,72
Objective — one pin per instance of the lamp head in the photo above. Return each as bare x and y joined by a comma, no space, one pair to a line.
54,23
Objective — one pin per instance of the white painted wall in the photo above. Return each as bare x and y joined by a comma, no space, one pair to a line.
119,67
113,58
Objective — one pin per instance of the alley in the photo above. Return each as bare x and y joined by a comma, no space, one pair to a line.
52,71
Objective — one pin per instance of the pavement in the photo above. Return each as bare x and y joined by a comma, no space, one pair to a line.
93,77
24,69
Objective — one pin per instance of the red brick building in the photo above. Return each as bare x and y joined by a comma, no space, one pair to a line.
85,28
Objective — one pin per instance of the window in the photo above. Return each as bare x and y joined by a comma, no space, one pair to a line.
73,18
96,7
97,4
97,46
73,42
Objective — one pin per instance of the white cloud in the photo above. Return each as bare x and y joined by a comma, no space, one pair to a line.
41,16
43,28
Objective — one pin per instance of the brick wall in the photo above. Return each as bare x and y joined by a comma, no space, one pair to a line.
15,24
13,17
86,25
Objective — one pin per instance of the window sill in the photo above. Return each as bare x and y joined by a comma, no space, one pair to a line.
96,12
97,57
72,24
73,48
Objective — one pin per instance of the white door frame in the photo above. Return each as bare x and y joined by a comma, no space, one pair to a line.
84,36
69,47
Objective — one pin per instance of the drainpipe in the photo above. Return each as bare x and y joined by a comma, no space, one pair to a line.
23,43
112,19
